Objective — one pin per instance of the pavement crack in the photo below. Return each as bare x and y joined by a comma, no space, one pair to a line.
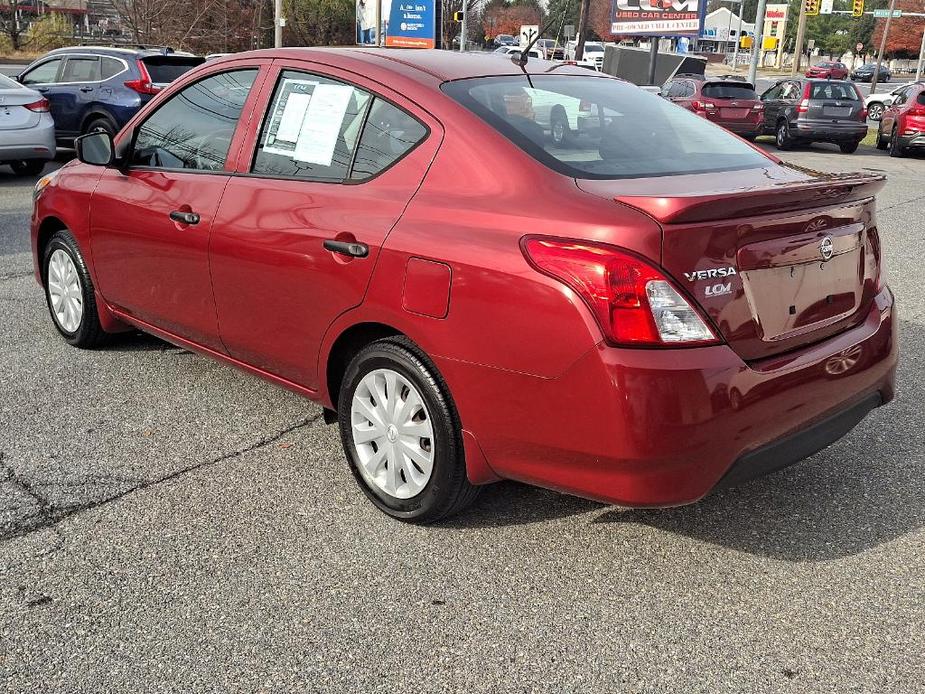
49,514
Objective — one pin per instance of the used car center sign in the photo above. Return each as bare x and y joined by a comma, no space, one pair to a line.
657,17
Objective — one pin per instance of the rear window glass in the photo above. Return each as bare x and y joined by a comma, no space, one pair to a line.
615,129
833,90
165,69
715,90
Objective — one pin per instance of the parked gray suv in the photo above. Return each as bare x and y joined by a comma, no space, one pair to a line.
807,110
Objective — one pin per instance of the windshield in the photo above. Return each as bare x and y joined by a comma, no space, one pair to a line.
591,48
612,128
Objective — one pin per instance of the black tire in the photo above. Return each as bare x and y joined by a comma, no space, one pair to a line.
881,143
875,111
448,491
100,124
559,129
782,136
89,333
896,148
28,167
849,147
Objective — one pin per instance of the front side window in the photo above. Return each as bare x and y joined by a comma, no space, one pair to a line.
619,130
81,70
193,129
46,73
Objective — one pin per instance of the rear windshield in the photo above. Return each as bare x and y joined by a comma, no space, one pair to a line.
165,69
833,90
724,90
616,130
7,83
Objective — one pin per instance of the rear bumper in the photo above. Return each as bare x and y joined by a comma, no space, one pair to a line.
29,143
835,132
663,427
914,140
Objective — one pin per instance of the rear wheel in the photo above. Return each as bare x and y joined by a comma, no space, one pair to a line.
784,141
559,127
69,293
401,433
849,147
896,148
882,143
100,125
29,167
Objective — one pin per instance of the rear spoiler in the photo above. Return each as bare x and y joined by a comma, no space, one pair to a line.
822,190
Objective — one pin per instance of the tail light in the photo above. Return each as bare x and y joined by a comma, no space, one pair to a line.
584,105
758,107
40,106
702,105
143,84
803,106
863,114
634,303
916,111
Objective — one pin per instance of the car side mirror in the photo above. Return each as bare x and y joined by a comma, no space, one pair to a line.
95,148
888,101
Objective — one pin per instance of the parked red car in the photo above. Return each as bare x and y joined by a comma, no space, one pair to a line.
655,309
902,126
729,102
832,70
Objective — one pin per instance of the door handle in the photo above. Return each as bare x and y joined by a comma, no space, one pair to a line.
352,249
184,217
86,89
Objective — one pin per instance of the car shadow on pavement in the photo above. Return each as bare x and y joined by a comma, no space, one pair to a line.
865,490
866,151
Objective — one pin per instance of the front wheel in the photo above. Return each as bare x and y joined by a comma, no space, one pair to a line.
69,293
784,141
875,111
401,433
29,167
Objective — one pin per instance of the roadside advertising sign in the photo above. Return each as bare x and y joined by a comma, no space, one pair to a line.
657,17
405,24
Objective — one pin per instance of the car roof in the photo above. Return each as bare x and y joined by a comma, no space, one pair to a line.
422,66
118,51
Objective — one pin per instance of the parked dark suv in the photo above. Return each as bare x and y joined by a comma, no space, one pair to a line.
91,88
804,111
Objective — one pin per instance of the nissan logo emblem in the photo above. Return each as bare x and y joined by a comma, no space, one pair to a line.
826,248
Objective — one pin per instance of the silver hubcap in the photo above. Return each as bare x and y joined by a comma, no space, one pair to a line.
781,135
558,131
65,292
393,437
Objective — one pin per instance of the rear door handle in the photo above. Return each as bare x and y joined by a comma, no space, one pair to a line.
184,217
352,249
86,89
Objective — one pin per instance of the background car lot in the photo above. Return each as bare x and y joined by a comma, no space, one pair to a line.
167,522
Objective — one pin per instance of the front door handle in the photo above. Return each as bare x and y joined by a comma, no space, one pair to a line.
86,89
184,217
350,248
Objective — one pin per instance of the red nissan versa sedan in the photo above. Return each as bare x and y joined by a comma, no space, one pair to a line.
645,311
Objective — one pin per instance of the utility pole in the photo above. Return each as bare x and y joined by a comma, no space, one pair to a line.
735,51
759,40
918,69
798,46
462,26
378,23
886,30
582,25
278,23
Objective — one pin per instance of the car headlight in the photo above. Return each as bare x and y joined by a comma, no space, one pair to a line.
43,183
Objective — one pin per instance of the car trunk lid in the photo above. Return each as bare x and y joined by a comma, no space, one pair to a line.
13,112
732,102
831,102
782,259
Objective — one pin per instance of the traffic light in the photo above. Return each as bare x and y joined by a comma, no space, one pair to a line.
457,16
812,7
857,8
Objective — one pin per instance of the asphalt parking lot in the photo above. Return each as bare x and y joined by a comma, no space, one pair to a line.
170,524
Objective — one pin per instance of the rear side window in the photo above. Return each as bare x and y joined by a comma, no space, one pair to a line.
111,67
81,70
45,73
193,129
833,90
165,69
311,128
921,98
389,134
723,90
618,130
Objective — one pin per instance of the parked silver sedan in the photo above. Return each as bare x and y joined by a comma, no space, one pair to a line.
27,131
